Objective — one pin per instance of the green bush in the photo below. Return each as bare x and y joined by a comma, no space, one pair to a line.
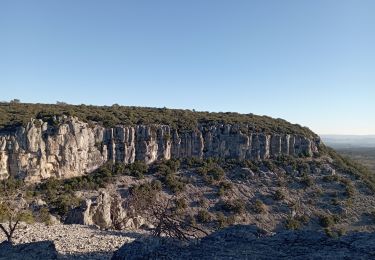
142,196
212,172
307,180
327,221
296,222
174,184
293,223
270,165
349,187
236,206
331,178
10,185
224,188
137,169
64,203
279,195
181,204
223,221
44,216
204,216
260,207
203,202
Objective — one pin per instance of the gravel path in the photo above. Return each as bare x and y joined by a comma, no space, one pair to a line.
76,241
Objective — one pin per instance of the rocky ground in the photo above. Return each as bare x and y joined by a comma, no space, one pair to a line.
76,241
248,242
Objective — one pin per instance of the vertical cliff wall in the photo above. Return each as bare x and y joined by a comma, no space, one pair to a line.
73,148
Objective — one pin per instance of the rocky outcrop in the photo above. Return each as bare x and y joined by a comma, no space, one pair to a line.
97,212
247,242
72,147
105,211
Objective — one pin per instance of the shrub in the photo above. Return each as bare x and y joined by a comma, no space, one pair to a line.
341,232
296,222
254,166
44,216
137,169
64,203
156,185
211,172
372,215
259,207
223,221
331,178
203,202
15,114
191,220
326,221
224,188
293,223
144,195
304,219
349,187
335,201
270,166
204,216
329,232
174,184
279,195
194,162
307,180
181,204
236,206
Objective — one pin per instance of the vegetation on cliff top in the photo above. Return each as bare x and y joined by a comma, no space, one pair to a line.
15,114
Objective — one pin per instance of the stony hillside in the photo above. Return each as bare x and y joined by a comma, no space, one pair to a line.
129,168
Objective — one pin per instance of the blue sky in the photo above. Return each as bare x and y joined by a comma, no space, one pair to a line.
309,62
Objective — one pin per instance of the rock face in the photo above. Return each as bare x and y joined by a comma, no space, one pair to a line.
246,242
72,147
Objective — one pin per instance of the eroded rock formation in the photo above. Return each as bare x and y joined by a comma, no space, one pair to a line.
105,211
72,147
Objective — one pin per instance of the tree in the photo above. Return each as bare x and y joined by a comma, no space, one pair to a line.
167,223
12,212
15,101
146,200
61,103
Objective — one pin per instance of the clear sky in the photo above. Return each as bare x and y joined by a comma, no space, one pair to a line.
308,61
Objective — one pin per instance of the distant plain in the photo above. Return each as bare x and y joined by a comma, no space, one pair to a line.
359,148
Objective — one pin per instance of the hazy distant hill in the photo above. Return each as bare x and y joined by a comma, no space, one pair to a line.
348,141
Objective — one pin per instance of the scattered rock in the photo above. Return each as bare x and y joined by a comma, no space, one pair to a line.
72,241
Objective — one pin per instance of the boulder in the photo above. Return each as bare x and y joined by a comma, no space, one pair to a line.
81,215
29,251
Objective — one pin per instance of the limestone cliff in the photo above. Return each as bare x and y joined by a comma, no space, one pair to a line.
72,147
